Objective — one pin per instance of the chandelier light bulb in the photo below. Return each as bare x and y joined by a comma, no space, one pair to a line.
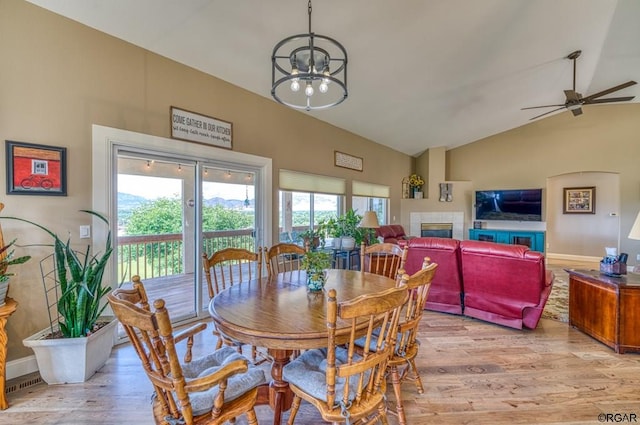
295,85
309,89
324,86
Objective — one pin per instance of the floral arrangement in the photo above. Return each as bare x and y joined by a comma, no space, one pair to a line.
415,180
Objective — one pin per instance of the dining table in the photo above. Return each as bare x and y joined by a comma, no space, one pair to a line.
280,314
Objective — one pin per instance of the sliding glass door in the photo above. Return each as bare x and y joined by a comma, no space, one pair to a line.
157,228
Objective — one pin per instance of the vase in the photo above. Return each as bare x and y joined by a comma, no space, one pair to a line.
316,281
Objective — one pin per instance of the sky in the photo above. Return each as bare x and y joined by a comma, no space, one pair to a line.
156,187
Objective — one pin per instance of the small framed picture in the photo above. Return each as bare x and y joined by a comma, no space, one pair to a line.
36,169
579,200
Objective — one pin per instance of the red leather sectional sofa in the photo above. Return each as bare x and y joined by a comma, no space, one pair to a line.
392,233
499,283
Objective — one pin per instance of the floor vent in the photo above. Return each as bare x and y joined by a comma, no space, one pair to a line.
22,382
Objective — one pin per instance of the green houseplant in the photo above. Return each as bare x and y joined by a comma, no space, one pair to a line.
314,263
78,280
346,227
6,260
313,236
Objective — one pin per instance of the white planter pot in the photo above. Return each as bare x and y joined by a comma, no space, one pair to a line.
72,360
348,243
4,288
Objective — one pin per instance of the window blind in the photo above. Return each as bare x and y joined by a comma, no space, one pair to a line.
370,190
304,182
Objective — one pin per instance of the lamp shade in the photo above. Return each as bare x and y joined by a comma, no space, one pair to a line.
370,220
635,229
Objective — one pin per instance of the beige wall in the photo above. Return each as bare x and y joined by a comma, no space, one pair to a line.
583,234
59,77
604,139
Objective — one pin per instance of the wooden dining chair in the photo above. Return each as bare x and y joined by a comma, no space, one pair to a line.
383,259
283,257
223,269
402,364
209,390
347,384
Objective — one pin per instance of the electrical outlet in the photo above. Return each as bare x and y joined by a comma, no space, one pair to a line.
85,232
638,257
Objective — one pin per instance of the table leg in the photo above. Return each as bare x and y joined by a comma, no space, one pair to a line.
280,396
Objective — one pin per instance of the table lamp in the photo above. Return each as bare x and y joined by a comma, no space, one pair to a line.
635,229
369,221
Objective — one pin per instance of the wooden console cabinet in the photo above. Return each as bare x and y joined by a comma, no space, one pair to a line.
531,238
606,308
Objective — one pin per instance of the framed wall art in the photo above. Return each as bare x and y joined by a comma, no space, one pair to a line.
345,160
36,169
193,127
579,200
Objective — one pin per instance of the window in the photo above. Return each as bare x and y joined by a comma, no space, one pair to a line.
299,209
306,199
371,197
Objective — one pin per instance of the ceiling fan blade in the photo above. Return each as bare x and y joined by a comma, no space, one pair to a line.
576,111
607,100
543,106
546,113
611,90
572,96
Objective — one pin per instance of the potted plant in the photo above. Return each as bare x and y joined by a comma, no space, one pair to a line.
72,349
345,229
314,263
313,236
6,260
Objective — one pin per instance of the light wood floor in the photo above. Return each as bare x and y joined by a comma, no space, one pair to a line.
473,372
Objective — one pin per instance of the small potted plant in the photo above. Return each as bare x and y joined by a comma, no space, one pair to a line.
312,236
314,263
6,260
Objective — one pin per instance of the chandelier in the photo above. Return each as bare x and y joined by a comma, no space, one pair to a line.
309,71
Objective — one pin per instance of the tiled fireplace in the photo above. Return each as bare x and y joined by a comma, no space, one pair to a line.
437,221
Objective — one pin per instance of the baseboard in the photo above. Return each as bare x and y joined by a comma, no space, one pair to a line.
570,257
20,367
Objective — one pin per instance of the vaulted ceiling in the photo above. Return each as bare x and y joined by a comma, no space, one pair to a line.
422,73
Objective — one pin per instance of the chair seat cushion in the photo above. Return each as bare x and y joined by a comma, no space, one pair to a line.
237,385
308,372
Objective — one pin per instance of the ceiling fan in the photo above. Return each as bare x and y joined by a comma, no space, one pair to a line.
575,100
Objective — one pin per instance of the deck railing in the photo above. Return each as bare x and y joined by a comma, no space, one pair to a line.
152,256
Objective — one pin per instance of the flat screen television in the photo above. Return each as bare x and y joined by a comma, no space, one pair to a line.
514,205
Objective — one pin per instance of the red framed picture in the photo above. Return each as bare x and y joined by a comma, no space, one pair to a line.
36,169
